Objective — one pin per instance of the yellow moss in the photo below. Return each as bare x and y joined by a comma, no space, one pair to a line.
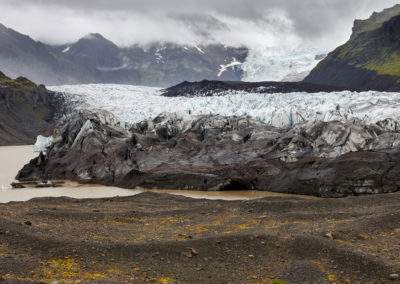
331,277
3,251
114,270
271,227
97,237
163,280
67,269
64,268
201,230
389,66
340,221
244,227
94,275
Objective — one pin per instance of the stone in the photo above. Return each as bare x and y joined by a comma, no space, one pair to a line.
362,237
193,251
394,276
330,235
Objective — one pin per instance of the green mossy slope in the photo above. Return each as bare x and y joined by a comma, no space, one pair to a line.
370,60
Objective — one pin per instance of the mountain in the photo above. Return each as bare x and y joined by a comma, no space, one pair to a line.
166,64
95,59
171,64
22,56
370,60
95,51
26,110
375,21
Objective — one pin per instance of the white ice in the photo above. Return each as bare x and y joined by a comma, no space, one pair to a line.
279,64
223,68
42,143
135,103
66,49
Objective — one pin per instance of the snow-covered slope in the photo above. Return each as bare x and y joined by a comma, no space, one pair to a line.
133,104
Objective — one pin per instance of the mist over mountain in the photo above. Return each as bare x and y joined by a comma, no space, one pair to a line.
95,59
135,42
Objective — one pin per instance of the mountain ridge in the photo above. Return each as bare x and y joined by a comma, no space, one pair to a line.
370,60
26,110
95,59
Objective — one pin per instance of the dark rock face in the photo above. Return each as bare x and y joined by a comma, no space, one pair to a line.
25,110
369,60
375,21
212,88
329,159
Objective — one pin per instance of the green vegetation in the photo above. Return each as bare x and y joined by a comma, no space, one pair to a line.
390,66
278,281
19,83
374,46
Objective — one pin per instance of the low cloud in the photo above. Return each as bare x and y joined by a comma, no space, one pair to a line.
255,23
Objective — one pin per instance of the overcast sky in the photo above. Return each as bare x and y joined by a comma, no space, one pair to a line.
318,23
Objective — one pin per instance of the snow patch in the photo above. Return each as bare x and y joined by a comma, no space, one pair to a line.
159,57
223,68
66,49
126,62
199,49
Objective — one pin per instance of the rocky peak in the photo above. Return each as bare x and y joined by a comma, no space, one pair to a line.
369,60
96,51
375,21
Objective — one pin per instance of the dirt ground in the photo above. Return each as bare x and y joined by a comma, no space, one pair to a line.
161,238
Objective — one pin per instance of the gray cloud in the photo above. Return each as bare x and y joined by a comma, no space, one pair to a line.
320,23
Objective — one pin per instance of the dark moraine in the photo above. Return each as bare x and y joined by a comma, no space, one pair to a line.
212,152
211,88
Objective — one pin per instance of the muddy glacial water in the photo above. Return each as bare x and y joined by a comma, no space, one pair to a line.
12,159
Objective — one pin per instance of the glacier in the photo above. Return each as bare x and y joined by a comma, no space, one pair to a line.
132,104
280,64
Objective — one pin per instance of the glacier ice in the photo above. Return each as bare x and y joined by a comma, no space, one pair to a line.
132,104
280,64
43,143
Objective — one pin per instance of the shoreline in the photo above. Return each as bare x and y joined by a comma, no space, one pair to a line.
22,155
